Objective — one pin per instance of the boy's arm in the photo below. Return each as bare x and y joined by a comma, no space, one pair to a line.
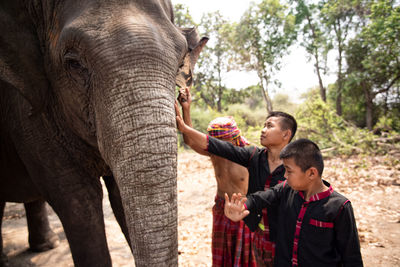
264,199
347,241
185,99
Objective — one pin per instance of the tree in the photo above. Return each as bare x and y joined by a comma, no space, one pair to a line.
214,63
314,38
262,38
374,58
338,16
182,17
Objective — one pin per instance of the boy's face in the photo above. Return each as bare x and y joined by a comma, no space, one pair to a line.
272,134
296,178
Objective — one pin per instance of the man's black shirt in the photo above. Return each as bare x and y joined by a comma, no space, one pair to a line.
256,161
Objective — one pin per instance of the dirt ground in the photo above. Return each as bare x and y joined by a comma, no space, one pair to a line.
371,183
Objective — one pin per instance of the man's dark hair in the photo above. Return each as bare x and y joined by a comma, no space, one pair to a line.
305,153
287,121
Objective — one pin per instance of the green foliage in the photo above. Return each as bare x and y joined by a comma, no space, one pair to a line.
246,116
214,63
320,123
365,35
283,103
182,17
262,38
390,124
315,38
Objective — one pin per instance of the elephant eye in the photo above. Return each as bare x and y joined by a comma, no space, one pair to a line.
73,64
76,70
72,61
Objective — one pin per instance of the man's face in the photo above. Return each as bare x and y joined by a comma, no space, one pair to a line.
272,134
296,178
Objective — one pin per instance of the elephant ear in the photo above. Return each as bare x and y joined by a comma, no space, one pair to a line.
184,77
21,60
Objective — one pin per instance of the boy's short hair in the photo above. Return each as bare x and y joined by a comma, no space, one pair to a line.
306,154
287,121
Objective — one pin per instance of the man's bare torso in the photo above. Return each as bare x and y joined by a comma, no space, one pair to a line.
231,177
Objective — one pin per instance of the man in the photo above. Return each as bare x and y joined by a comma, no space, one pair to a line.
231,241
264,166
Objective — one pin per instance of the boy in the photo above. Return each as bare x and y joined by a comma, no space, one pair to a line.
264,166
316,224
231,241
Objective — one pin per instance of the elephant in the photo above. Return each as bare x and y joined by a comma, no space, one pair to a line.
41,237
87,90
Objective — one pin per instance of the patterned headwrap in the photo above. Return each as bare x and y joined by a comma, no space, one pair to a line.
226,128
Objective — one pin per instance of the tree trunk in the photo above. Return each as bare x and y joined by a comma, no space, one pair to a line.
339,86
338,31
264,91
368,107
322,89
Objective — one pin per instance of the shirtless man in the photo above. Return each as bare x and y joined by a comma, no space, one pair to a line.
231,241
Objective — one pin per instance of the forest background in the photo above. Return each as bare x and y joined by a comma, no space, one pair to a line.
358,113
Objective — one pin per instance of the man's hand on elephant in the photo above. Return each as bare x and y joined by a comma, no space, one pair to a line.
184,97
180,124
234,209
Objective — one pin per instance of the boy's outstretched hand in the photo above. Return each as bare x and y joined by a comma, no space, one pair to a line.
234,208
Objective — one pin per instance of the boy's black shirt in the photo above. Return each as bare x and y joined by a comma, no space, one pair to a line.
323,228
256,161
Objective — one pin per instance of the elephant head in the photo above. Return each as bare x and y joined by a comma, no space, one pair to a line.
99,78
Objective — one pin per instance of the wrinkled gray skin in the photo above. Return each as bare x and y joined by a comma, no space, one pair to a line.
87,89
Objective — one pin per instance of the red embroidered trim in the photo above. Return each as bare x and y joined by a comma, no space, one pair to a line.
318,196
341,208
297,233
252,154
321,223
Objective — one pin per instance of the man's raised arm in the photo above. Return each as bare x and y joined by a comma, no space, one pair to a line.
195,138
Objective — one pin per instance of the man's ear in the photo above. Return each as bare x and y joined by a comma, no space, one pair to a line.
312,173
287,134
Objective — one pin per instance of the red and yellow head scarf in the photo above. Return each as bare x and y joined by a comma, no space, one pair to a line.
226,128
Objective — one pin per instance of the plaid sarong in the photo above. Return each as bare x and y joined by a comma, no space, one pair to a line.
231,241
264,249
226,128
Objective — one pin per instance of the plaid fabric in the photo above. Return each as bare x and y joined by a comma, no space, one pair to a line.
226,128
264,249
231,241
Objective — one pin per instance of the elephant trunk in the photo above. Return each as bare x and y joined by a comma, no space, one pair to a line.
137,138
